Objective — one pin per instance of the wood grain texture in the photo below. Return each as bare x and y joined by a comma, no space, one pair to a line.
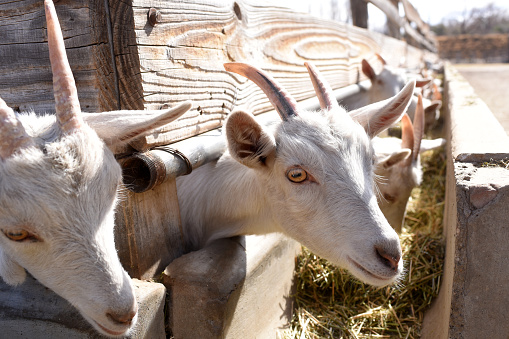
25,72
181,58
148,233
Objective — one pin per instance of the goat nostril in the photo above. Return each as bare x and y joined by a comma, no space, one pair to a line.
122,319
387,259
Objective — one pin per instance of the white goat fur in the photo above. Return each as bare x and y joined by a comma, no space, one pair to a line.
333,212
57,198
388,83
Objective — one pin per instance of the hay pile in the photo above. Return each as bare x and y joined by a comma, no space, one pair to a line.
332,304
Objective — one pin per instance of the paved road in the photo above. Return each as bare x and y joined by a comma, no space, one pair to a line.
491,83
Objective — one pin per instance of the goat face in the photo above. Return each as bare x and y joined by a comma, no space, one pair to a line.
397,179
57,204
58,189
317,170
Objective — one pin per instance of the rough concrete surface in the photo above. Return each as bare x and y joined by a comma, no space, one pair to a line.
233,288
474,296
34,311
490,82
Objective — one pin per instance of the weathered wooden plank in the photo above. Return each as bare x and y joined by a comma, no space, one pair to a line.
25,73
181,57
148,235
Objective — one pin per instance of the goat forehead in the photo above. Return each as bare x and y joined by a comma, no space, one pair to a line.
329,142
59,180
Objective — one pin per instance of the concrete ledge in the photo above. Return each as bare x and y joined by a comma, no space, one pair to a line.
473,301
475,133
234,288
33,311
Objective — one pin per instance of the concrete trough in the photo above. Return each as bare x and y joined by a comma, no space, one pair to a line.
31,310
234,288
473,301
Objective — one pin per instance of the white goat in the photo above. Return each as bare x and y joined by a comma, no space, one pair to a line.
390,81
309,176
399,166
58,190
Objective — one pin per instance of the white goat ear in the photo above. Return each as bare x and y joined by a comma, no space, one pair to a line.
381,115
428,145
395,158
10,271
120,127
248,142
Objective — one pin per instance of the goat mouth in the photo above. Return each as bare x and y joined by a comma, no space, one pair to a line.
110,332
367,272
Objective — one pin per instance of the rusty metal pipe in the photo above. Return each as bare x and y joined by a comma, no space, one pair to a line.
145,170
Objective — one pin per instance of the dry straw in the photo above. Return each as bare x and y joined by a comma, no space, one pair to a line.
329,303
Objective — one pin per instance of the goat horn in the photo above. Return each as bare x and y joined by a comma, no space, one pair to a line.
418,127
282,101
67,104
322,89
382,60
12,133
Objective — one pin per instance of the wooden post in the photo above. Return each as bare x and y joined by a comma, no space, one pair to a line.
393,29
359,10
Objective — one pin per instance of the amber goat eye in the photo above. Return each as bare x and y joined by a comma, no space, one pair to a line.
17,235
297,175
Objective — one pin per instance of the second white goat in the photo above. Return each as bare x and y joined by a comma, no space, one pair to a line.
399,166
309,176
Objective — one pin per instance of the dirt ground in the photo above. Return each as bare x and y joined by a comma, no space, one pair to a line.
491,83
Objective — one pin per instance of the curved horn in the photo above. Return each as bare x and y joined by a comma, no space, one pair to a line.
12,133
382,60
67,104
282,101
322,89
418,127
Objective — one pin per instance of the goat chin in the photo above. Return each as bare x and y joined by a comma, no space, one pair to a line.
111,329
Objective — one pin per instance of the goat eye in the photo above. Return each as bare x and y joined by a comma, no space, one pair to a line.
20,235
297,175
389,198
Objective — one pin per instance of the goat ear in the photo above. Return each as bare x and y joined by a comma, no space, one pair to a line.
436,104
120,127
422,83
368,70
428,145
395,158
248,142
10,271
379,116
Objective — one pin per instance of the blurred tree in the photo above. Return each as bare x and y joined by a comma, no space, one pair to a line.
483,20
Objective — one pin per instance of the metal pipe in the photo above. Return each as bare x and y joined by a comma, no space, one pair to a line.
145,170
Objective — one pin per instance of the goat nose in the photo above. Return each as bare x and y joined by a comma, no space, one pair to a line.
122,318
391,260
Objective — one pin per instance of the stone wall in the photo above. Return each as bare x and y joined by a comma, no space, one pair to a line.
474,48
